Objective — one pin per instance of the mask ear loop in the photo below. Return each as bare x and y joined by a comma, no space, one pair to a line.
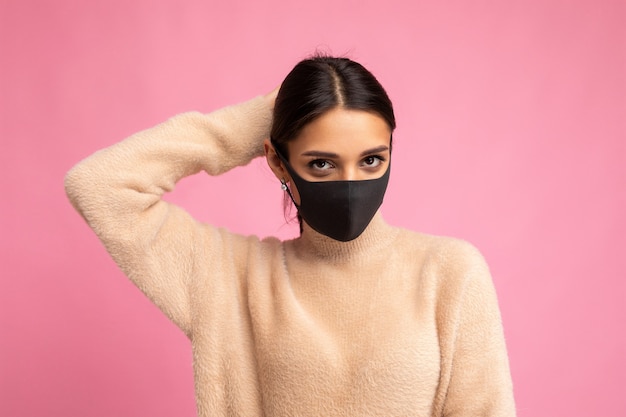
283,186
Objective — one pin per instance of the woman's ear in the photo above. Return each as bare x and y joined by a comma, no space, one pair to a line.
274,162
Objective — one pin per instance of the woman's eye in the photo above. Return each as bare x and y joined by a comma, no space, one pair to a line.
372,161
320,164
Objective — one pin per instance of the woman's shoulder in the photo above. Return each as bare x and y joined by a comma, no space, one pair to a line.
234,241
449,253
448,266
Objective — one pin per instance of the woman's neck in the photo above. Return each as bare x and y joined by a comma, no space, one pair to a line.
314,244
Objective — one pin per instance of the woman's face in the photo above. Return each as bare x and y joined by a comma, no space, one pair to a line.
341,144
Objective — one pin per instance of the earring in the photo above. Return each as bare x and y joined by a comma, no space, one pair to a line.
283,185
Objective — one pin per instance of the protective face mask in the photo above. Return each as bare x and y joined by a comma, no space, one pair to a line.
341,210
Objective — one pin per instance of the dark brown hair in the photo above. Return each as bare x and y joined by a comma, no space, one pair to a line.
319,84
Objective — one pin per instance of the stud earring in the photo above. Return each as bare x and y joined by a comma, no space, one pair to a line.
283,185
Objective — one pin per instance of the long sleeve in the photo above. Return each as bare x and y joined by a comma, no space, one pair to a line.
476,380
119,190
271,328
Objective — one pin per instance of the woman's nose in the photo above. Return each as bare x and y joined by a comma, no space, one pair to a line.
350,174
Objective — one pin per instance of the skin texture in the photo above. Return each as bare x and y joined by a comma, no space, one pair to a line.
340,145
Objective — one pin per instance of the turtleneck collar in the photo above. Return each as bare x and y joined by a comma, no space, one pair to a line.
377,235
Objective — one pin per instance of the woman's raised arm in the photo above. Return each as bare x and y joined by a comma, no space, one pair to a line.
118,192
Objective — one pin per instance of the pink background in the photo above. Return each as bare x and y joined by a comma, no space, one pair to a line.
511,135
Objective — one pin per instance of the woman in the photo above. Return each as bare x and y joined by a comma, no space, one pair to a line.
354,317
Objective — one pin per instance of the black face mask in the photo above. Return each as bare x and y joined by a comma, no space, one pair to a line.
338,209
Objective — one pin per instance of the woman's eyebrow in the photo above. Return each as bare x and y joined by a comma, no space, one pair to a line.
320,154
377,149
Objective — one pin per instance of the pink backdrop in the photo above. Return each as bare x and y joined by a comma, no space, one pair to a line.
511,135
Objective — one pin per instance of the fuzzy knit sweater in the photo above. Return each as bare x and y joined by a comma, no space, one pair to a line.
393,323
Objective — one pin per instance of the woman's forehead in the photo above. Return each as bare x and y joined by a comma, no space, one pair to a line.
342,130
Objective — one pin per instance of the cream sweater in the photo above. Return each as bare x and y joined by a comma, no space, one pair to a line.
394,323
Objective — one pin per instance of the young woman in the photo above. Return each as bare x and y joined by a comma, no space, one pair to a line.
354,317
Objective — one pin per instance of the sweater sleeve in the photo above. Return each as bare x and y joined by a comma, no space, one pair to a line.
118,191
476,366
